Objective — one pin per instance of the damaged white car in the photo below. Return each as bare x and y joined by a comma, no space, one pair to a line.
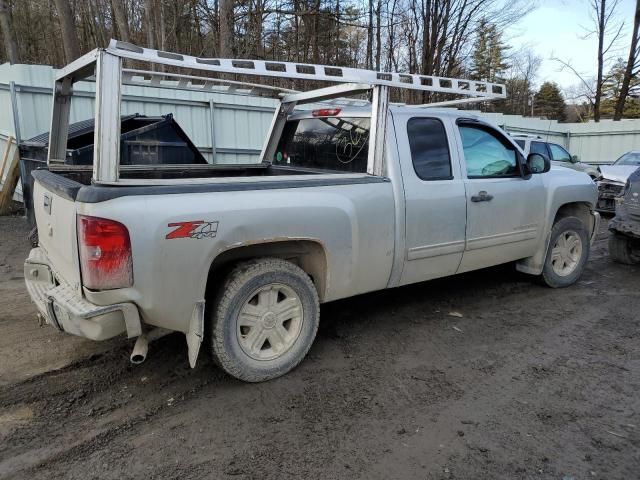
614,177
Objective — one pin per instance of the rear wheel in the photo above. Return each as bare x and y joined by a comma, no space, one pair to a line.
265,320
567,254
621,249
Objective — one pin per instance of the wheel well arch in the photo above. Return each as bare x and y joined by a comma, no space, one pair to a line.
310,255
581,210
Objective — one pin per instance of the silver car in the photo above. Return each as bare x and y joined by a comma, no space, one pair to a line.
556,153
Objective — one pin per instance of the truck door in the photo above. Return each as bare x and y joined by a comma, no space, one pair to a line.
505,211
435,205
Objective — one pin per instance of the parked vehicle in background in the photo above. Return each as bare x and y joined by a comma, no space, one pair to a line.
556,153
345,201
613,179
624,239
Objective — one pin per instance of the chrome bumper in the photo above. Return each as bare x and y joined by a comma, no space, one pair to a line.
68,311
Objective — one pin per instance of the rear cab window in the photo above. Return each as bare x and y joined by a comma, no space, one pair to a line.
429,149
334,144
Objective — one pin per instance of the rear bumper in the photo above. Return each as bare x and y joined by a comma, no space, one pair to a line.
68,311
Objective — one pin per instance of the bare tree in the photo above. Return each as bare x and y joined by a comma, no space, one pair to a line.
121,20
226,28
8,33
603,13
150,26
69,34
633,65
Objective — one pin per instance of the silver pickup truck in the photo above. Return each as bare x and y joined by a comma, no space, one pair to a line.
346,200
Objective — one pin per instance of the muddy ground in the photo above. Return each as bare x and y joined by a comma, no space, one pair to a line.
529,383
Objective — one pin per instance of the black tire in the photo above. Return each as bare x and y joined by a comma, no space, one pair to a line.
239,287
621,249
549,276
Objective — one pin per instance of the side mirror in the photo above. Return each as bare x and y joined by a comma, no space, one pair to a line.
537,163
575,159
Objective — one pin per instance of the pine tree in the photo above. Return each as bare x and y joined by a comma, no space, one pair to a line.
549,102
480,68
611,89
489,51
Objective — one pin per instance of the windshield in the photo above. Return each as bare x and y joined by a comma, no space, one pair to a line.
630,158
333,143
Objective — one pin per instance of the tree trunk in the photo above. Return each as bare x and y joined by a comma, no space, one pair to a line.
150,23
10,43
336,54
69,33
316,33
98,23
378,35
226,28
370,37
121,20
601,27
628,73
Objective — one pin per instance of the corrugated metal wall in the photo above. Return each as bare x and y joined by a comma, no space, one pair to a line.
592,142
231,128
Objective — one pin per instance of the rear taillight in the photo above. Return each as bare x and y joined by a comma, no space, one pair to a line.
105,253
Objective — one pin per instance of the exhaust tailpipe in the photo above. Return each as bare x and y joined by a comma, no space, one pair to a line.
140,349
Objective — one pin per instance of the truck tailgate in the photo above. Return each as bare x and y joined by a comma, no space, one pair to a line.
55,212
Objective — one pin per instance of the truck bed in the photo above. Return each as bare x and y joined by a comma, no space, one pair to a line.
82,174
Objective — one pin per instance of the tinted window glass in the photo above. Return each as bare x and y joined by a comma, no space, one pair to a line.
429,148
520,143
487,153
629,158
332,143
558,153
538,147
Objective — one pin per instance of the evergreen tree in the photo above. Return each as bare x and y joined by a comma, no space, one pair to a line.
549,102
611,89
489,51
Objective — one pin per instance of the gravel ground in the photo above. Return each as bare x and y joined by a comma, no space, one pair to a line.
527,382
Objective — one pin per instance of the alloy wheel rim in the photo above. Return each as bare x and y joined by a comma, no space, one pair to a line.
566,253
269,322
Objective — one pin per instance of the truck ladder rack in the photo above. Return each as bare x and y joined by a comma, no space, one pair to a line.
176,81
303,71
106,66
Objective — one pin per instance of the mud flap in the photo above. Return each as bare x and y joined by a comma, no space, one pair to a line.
195,333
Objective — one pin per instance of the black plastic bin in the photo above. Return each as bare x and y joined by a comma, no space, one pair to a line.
143,141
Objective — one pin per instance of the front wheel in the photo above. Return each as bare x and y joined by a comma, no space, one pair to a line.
567,254
265,319
621,249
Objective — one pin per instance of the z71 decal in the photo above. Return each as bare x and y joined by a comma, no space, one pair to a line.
194,229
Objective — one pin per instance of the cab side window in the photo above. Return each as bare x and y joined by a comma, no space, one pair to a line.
487,153
429,149
558,153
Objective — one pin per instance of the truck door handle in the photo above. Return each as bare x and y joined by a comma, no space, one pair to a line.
481,197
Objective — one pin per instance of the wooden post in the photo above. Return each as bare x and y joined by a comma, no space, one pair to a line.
10,183
5,156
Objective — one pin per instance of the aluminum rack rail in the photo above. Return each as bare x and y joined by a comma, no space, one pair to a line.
304,71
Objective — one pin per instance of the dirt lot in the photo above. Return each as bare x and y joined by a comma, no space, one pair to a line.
529,383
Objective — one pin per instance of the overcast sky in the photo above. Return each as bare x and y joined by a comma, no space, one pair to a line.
556,28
